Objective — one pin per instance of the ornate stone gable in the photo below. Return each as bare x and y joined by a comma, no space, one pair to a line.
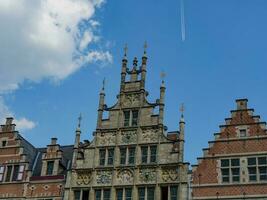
131,100
125,176
108,138
103,177
129,137
147,175
169,174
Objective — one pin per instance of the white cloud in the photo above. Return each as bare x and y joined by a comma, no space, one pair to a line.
40,39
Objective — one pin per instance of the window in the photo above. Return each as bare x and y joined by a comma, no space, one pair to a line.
131,157
106,194
4,142
257,168
173,190
15,172
8,174
153,154
130,118
97,194
20,173
102,156
243,133
230,170
2,170
146,193
50,167
77,195
144,154
141,193
128,194
123,155
85,195
119,194
110,156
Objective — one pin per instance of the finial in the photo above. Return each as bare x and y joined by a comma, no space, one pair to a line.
125,50
135,61
103,84
182,109
145,47
79,120
162,76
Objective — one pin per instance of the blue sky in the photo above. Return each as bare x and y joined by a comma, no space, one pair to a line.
223,58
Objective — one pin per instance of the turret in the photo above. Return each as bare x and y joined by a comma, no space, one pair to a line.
134,73
101,105
161,100
143,68
124,68
181,135
77,141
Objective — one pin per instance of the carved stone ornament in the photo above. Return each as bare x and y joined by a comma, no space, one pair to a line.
147,175
150,135
84,178
107,138
104,177
128,137
125,176
131,100
169,174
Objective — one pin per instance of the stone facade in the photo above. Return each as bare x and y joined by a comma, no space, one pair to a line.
23,168
235,164
131,155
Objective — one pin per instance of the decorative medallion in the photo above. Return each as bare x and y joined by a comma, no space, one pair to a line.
107,138
125,176
147,175
128,137
84,178
150,135
103,177
169,174
131,100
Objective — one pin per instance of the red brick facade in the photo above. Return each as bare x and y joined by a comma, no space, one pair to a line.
235,164
24,172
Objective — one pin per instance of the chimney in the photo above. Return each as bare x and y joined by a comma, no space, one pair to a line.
241,104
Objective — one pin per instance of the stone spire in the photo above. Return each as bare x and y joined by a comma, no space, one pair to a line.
101,105
143,67
77,141
124,68
161,100
181,135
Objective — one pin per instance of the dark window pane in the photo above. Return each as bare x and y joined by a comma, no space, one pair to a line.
102,156
150,193
263,173
85,195
251,161
234,162
119,194
135,118
131,155
97,194
107,194
77,195
128,194
144,154
262,161
141,193
225,172
110,156
225,163
15,173
153,154
243,133
50,167
123,155
235,171
8,174
173,190
225,179
126,118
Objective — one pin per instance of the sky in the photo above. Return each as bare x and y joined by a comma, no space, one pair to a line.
55,54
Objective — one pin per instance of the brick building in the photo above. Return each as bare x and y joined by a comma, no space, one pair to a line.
27,172
235,164
131,156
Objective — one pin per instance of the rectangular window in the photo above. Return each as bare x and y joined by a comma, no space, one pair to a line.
131,156
257,168
8,173
77,194
2,171
144,154
15,172
85,195
50,167
263,173
173,190
123,155
153,154
127,118
119,194
21,172
97,194
243,133
106,194
134,117
141,193
102,156
4,143
128,194
110,156
150,193
230,170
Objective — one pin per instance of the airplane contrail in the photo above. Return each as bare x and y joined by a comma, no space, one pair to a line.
182,20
